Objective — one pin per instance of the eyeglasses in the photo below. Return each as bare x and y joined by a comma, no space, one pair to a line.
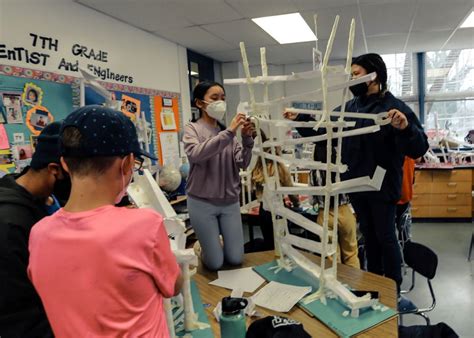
138,164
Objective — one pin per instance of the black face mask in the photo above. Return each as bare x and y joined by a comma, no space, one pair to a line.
359,89
62,189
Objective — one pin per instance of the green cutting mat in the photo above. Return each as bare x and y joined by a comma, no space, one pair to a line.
330,314
199,308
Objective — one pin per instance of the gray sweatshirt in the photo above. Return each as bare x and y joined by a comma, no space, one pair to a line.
215,158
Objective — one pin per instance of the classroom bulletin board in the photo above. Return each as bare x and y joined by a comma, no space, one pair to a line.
29,100
24,114
167,125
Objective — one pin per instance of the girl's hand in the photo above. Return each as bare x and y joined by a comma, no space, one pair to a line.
399,120
238,121
248,129
290,116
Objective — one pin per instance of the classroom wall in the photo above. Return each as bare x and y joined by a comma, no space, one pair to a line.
151,61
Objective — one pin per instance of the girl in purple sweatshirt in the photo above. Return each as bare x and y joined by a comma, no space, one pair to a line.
213,185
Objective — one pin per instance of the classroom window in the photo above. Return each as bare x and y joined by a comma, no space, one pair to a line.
450,71
400,74
456,116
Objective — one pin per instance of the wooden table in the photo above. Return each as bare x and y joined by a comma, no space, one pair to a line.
358,279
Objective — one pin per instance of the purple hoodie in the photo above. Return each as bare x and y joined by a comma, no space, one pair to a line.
215,158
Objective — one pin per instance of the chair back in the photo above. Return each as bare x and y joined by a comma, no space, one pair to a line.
421,259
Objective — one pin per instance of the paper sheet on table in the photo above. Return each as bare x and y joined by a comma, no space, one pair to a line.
280,297
245,279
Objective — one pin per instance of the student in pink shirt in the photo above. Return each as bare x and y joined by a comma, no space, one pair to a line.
100,270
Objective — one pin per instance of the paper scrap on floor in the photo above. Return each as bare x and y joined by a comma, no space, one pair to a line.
280,297
245,279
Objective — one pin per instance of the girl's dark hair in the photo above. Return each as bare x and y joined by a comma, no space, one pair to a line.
199,92
34,92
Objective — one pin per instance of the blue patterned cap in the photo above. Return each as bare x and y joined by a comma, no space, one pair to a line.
104,131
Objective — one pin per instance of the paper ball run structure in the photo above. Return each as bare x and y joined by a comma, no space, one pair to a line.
333,84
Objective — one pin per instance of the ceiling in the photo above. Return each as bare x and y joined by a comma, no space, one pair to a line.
215,27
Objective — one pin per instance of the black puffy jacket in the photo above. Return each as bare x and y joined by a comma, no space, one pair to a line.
386,148
21,311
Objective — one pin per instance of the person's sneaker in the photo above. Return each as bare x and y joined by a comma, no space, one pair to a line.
405,305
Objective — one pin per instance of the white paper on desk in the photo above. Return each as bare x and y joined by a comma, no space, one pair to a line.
245,279
280,297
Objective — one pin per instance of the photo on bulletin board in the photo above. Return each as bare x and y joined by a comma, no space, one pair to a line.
18,138
6,159
12,107
34,142
130,106
32,95
167,102
37,118
168,121
22,152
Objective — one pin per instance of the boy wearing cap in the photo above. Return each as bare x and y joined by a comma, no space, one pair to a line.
25,199
101,270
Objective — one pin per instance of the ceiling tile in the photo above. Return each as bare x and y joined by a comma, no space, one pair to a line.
312,5
387,19
215,27
241,30
204,12
443,15
195,38
463,38
325,21
386,44
259,8
427,41
253,55
149,17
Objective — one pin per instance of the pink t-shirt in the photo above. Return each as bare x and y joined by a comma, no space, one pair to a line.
103,272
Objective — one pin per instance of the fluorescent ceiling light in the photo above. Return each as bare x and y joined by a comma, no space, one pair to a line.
469,21
193,73
287,28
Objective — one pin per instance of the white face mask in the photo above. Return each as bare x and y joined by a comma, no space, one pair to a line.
216,109
123,192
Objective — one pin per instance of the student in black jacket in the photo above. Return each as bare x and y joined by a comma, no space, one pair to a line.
24,200
387,148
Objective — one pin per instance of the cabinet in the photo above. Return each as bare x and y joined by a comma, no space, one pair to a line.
443,193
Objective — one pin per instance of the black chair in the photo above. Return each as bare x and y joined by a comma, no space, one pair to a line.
424,261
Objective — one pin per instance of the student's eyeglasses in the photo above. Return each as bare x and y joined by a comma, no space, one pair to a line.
138,164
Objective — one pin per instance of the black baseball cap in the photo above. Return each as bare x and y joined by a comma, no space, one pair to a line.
276,327
47,148
104,131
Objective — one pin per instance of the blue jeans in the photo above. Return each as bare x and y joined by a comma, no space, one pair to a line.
209,221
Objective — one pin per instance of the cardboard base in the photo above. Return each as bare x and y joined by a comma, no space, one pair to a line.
330,314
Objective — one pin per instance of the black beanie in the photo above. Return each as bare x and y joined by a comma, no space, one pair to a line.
47,148
373,63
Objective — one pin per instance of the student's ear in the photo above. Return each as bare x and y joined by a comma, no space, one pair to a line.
55,170
64,165
199,103
129,163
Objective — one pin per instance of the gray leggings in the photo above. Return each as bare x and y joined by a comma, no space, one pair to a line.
209,221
